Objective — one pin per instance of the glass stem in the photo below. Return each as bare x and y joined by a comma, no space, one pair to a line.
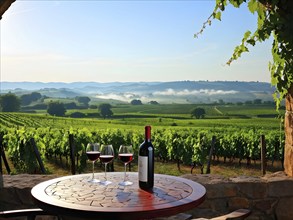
125,172
93,169
106,171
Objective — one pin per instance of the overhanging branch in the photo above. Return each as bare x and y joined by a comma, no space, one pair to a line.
4,5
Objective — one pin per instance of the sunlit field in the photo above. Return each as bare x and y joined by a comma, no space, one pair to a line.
261,119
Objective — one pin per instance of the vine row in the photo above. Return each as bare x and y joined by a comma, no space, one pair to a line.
184,146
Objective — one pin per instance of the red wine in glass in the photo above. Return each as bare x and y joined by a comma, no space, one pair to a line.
93,153
126,156
106,156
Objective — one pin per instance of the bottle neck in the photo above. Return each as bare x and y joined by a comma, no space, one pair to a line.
147,133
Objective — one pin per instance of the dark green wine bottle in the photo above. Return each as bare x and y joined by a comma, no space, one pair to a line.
146,162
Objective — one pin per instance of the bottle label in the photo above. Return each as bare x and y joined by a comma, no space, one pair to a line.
142,168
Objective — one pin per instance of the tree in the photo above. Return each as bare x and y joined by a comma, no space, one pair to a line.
221,102
36,96
77,115
274,18
84,100
9,103
27,99
136,102
105,110
257,101
56,109
70,105
153,102
198,113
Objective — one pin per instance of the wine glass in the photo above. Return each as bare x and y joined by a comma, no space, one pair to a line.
126,156
107,155
93,153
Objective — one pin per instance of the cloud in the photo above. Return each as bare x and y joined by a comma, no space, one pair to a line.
127,97
118,96
185,92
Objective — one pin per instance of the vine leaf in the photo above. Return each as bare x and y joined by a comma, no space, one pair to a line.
218,15
253,6
274,18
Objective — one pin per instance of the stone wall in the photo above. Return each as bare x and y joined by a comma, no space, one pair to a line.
269,197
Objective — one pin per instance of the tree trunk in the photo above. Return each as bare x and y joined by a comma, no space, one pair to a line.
288,160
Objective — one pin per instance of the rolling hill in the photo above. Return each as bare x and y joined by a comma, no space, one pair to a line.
163,92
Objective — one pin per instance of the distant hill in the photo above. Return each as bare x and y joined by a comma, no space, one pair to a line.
162,92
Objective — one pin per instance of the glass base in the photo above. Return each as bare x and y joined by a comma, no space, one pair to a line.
126,183
105,183
94,181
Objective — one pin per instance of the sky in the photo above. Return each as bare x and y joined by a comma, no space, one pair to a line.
127,41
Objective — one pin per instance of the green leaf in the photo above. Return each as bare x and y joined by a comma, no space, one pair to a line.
221,4
253,6
236,3
251,42
218,15
247,35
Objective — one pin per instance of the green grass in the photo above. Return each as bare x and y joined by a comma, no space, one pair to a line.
248,110
160,116
163,109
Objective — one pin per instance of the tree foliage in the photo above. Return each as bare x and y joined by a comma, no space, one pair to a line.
70,105
56,109
105,110
136,102
198,113
9,103
83,100
27,99
153,102
274,19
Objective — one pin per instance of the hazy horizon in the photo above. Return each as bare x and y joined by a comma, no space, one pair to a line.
163,92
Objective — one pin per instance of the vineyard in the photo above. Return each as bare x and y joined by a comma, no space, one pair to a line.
186,143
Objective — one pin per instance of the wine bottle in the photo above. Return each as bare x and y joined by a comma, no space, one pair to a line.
146,162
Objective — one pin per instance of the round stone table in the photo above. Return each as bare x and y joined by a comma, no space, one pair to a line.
74,196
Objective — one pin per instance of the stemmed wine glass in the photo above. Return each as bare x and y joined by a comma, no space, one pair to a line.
93,153
107,155
126,156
